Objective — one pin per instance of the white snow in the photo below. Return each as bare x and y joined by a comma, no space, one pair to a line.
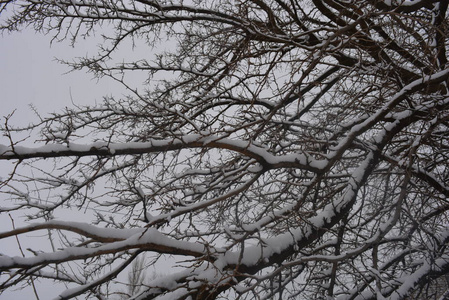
155,145
147,238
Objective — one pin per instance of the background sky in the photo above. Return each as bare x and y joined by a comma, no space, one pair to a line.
30,77
32,80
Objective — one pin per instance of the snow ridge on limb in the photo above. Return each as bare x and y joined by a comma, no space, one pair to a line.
297,160
297,150
149,239
405,6
97,233
400,96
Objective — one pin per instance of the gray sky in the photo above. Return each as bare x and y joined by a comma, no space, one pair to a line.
29,75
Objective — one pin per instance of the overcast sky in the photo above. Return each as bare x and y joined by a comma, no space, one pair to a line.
29,75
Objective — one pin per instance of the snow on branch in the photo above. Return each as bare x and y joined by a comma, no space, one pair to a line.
148,239
99,234
298,160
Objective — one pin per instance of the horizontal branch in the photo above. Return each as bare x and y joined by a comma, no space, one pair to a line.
405,6
297,160
105,235
148,239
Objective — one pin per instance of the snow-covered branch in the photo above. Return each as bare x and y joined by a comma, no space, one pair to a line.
272,149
